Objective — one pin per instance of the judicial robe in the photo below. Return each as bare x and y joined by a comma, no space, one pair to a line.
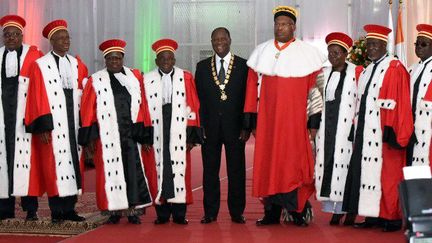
277,89
114,113
419,153
383,127
50,108
18,177
185,128
333,148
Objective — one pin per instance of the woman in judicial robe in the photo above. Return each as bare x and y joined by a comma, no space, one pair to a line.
115,129
334,147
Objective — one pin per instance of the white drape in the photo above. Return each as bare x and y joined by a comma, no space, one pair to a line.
191,22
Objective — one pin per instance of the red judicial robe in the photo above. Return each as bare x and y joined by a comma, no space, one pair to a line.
185,125
46,111
277,88
25,175
421,91
384,126
99,122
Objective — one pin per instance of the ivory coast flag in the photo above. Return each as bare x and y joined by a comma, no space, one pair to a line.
400,43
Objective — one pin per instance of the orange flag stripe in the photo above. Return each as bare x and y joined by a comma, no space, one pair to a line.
399,31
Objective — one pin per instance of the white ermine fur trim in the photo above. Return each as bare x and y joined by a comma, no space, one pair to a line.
371,164
423,114
4,176
115,183
66,178
299,59
22,151
343,147
388,104
153,87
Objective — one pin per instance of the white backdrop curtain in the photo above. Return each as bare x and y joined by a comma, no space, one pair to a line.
141,22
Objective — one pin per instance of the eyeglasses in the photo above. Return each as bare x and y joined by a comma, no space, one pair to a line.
11,35
421,44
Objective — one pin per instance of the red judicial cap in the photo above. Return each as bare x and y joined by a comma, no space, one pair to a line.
164,45
424,30
113,45
54,26
338,38
377,32
13,20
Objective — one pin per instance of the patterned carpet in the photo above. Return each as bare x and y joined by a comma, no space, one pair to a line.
86,206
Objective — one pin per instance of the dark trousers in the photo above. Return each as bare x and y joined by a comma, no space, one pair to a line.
235,158
177,210
272,211
62,205
7,206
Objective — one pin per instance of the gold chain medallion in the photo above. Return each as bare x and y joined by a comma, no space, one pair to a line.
219,83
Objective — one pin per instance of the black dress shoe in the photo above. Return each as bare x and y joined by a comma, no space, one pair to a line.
392,226
335,220
207,220
267,221
113,219
56,218
134,219
365,225
299,219
161,221
238,219
7,216
73,216
180,221
31,216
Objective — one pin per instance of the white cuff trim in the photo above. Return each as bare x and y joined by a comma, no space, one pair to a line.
386,103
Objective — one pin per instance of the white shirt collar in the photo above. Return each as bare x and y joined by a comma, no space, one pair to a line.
165,74
54,53
226,58
425,61
379,60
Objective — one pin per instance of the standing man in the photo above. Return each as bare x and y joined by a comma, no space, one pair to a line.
282,73
117,91
174,106
52,116
221,85
18,177
421,98
383,128
333,145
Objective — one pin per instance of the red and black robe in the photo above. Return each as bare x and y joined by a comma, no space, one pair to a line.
419,153
114,115
174,176
18,177
383,128
55,109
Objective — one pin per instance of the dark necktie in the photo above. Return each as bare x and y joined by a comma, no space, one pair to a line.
221,75
416,90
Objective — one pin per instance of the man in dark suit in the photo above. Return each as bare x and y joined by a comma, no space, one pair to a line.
221,86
